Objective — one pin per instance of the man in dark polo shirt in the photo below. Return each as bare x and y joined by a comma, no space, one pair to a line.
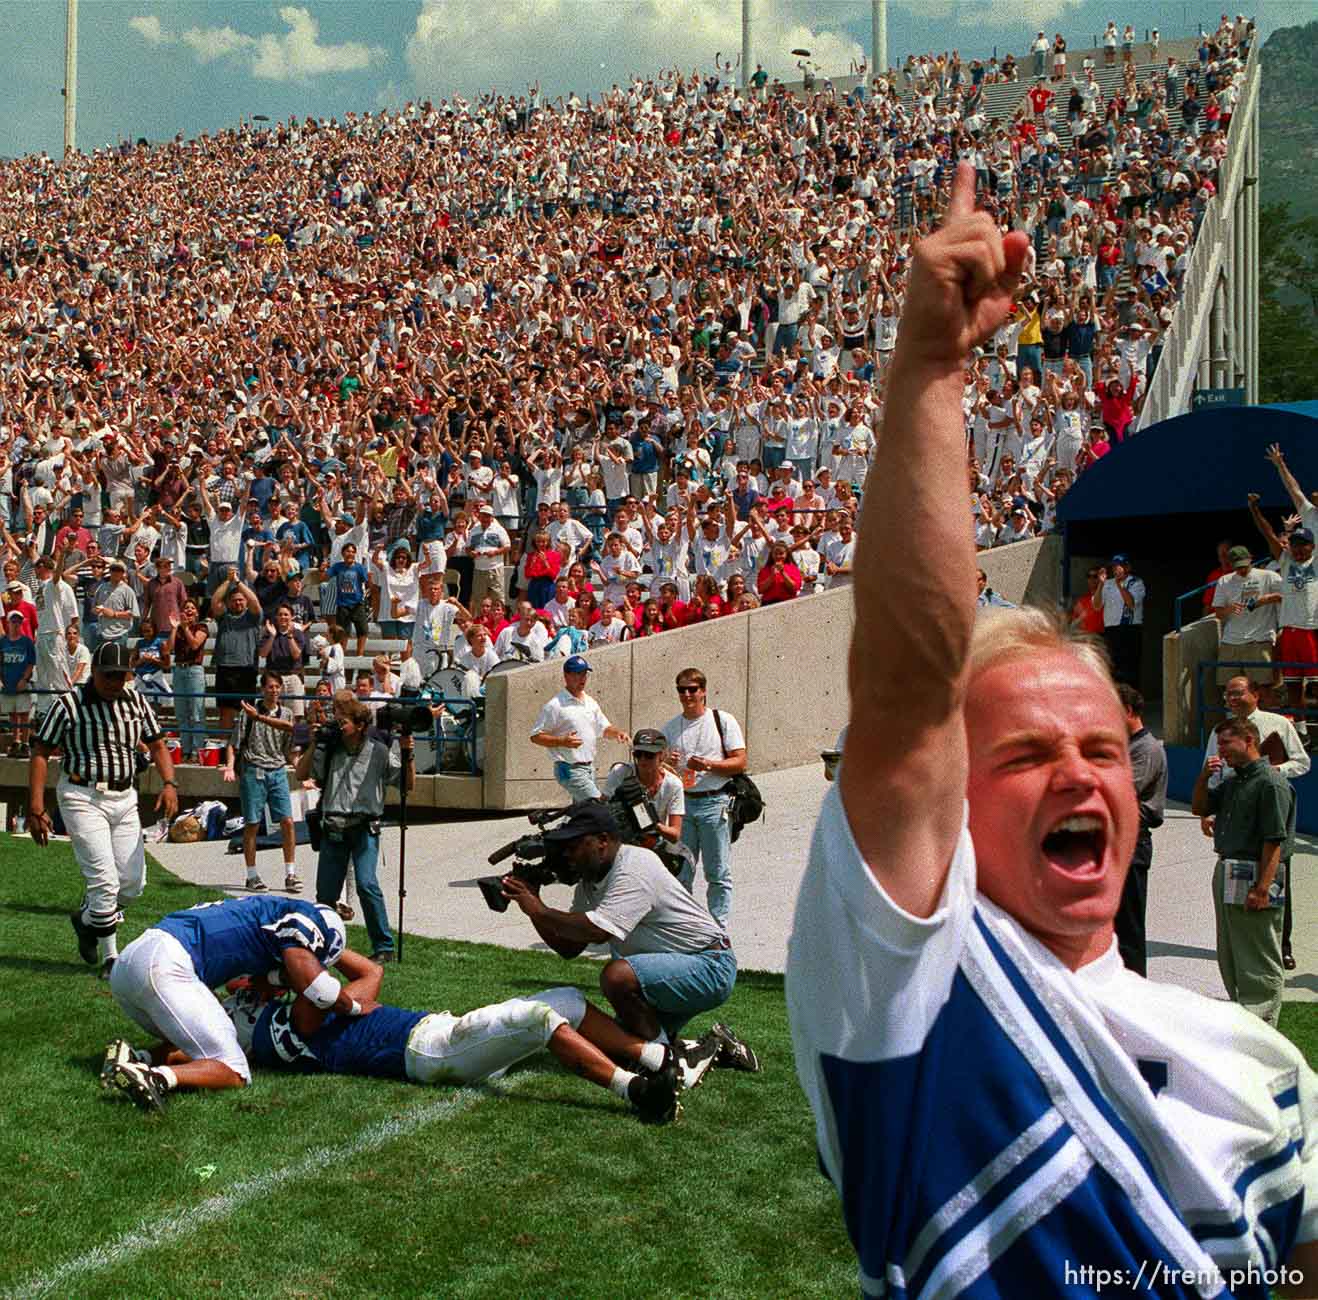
1253,834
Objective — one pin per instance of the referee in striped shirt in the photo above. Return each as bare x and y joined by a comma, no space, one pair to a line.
99,728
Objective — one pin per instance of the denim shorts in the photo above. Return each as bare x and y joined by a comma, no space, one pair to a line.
260,789
680,985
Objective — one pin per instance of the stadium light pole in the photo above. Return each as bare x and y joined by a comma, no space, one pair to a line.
878,38
744,80
71,77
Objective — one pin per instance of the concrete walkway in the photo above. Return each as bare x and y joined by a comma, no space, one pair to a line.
443,859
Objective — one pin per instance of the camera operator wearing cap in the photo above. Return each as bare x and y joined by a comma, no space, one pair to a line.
353,771
1122,596
671,959
570,727
662,788
99,728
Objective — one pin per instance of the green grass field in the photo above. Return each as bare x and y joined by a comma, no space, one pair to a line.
317,1186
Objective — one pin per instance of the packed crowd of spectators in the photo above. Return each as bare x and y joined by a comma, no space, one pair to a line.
614,365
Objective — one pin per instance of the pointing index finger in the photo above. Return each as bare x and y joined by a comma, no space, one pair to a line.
962,200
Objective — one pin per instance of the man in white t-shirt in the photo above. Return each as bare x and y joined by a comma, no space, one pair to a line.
1122,596
488,545
706,748
526,638
671,960
954,931
1246,602
432,632
570,726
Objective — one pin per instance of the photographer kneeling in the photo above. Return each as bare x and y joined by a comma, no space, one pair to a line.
671,959
353,771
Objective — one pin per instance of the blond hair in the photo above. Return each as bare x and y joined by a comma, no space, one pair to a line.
1004,634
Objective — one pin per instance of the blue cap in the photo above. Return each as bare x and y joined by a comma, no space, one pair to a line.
1302,535
576,664
1121,559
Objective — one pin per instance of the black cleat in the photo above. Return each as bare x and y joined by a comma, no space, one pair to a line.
86,939
733,1054
654,1096
693,1060
107,968
142,1085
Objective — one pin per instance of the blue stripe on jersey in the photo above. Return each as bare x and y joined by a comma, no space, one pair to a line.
1290,1097
1062,1045
244,936
374,1045
935,1146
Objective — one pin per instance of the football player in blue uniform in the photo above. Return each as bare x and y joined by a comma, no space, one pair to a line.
164,978
439,1047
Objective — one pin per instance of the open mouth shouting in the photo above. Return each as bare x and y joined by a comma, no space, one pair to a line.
1076,845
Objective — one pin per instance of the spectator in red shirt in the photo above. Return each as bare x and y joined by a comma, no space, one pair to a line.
1087,611
13,600
542,566
780,579
1223,568
73,536
1040,98
1119,406
671,610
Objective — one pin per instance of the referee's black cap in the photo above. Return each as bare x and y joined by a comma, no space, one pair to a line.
112,657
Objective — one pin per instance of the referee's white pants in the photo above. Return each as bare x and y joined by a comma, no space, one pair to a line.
108,846
486,1042
157,986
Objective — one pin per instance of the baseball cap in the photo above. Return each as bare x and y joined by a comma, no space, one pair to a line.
649,741
485,508
576,664
1238,556
1121,559
118,564
1302,535
16,587
17,613
589,817
112,657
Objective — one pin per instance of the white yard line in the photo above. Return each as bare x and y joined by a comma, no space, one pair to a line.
185,1223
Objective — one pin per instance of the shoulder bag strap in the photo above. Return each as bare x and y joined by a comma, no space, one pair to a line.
718,723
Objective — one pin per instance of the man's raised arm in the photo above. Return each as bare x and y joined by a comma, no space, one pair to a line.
904,777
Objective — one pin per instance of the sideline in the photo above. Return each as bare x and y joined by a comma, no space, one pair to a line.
186,1222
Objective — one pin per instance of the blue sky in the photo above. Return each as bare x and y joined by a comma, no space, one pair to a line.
158,68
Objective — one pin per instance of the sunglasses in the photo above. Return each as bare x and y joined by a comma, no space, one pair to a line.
689,690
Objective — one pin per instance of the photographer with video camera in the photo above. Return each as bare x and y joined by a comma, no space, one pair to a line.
353,770
671,959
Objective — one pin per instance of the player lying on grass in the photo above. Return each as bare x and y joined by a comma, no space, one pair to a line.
425,1047
163,982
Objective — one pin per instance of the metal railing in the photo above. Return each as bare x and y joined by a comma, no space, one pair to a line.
1178,368
466,713
1178,618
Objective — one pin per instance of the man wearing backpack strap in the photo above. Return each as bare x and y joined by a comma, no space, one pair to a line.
706,763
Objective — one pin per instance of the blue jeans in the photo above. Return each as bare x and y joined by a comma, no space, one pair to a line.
680,985
1031,355
772,456
190,706
805,468
362,849
577,779
707,832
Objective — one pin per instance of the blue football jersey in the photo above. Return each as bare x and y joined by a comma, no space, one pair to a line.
374,1045
248,936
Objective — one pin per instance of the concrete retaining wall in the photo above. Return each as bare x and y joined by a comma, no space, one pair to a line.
780,671
1182,653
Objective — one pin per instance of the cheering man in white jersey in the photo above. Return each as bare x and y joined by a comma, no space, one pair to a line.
1004,1109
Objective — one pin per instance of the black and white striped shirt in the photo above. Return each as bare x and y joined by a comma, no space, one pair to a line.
99,737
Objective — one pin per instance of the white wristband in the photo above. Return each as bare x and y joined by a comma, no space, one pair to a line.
355,1009
275,978
323,991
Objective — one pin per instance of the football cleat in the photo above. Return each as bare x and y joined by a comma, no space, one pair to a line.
86,939
117,1053
733,1054
345,910
654,1096
693,1060
107,968
142,1085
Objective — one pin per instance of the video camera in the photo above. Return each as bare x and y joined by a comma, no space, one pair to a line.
540,862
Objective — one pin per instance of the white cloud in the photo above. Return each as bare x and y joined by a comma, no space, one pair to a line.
148,27
298,52
292,55
211,43
580,45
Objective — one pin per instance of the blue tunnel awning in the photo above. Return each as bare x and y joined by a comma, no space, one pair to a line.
1203,463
